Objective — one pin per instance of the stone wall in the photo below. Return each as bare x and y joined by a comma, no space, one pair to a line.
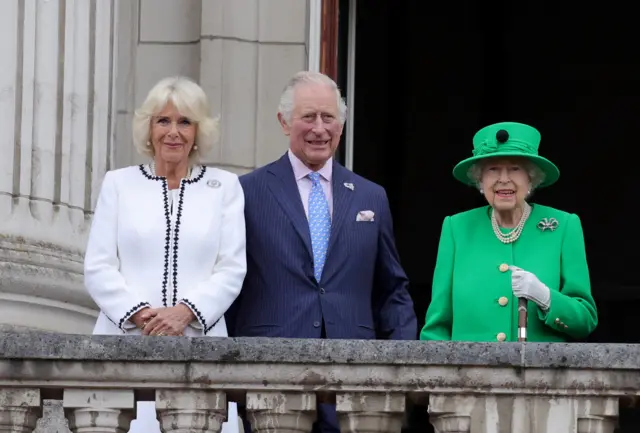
73,73
56,81
241,51
470,387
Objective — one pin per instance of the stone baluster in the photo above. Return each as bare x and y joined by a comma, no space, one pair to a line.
535,413
597,414
370,412
19,410
98,410
523,413
55,107
451,413
281,412
191,411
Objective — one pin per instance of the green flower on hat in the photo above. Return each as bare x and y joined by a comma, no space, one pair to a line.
507,139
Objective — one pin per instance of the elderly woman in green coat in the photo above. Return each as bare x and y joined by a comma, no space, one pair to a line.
491,256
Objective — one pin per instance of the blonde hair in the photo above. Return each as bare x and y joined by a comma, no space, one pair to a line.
190,100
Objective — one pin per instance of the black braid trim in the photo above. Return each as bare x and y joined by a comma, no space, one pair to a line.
176,236
131,312
167,238
197,312
176,233
206,331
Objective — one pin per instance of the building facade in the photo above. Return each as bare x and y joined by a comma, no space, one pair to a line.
73,73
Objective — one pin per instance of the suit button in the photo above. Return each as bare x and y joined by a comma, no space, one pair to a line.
504,267
501,336
503,301
322,291
316,324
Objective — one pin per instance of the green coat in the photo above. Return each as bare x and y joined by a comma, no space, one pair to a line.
469,289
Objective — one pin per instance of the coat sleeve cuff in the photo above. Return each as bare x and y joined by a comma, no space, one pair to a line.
124,323
200,323
551,317
196,312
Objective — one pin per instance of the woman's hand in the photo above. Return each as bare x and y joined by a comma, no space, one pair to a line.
527,285
169,321
143,316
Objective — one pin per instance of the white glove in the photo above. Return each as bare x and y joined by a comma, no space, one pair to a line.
528,286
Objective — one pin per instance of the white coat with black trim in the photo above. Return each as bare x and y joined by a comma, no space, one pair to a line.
154,247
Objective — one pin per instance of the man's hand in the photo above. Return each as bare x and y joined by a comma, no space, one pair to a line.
142,316
169,321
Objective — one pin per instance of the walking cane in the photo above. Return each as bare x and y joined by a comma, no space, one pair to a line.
522,319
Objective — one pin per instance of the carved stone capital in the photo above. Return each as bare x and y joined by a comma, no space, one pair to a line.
191,411
98,410
281,412
19,410
370,412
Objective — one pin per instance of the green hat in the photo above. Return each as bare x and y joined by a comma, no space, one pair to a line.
504,140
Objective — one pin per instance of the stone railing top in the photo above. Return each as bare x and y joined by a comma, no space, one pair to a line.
61,347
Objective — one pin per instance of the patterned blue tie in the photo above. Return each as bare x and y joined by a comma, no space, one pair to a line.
319,224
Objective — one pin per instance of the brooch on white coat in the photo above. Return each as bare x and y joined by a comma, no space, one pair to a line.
213,183
547,224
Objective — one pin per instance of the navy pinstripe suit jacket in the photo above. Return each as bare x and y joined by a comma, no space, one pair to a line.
363,290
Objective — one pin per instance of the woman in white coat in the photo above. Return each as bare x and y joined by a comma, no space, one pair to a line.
166,253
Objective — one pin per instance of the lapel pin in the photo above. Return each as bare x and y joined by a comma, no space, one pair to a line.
349,185
213,183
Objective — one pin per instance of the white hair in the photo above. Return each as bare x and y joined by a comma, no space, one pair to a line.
286,106
190,100
536,176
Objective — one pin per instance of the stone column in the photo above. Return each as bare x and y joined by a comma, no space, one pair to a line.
191,411
451,413
98,410
595,414
281,412
370,412
55,114
19,410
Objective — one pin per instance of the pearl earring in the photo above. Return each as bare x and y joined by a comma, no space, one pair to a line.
481,191
195,147
148,144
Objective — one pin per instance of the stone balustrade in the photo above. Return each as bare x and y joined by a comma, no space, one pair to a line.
470,387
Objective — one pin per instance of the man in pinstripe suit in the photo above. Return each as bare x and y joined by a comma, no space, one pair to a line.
321,255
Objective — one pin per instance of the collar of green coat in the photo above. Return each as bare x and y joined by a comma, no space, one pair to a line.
540,216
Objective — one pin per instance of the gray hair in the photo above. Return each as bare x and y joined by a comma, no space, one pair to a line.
536,176
190,100
286,106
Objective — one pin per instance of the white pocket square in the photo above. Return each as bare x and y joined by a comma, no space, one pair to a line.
365,215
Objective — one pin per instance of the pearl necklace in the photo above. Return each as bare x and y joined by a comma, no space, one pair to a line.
513,235
152,167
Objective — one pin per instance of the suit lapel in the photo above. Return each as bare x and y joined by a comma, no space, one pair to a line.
282,184
342,199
